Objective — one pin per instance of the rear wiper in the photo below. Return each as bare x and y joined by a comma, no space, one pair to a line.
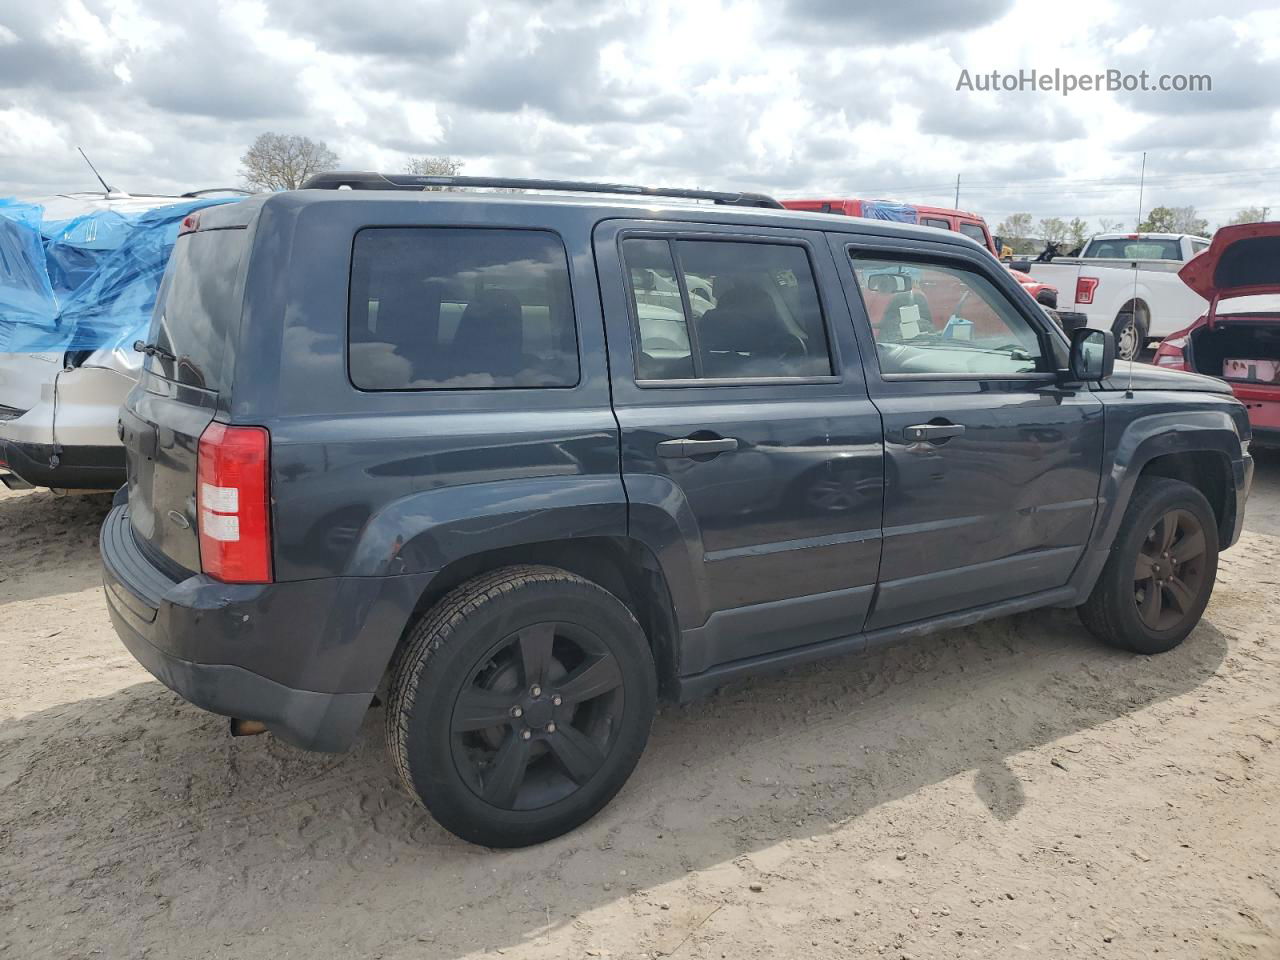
152,350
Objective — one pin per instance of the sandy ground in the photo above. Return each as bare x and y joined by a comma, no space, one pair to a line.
1008,790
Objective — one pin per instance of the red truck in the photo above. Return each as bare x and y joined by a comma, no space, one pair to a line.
1238,337
944,218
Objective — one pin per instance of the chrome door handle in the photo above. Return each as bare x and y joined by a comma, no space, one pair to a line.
688,447
932,432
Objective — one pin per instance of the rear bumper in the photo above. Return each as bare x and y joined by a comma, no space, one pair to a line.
302,657
64,467
67,439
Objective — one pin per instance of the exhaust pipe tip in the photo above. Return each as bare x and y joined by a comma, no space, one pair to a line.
247,728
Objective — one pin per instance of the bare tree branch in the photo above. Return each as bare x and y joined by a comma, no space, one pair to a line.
278,161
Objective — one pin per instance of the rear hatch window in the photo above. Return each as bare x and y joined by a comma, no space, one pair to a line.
197,316
193,338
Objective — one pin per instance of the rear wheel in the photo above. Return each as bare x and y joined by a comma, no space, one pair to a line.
1161,571
1130,329
520,705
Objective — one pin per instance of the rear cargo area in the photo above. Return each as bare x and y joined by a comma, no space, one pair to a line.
1246,351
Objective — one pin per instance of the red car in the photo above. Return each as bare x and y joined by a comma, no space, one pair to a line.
1238,339
944,218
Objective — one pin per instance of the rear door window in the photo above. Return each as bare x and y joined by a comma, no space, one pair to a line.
935,222
197,318
452,308
720,310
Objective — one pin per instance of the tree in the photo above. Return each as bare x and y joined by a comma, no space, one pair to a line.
434,167
1052,230
1110,226
1077,232
1250,215
1173,220
1015,230
279,161
1016,225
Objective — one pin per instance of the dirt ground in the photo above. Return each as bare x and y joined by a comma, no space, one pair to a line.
1008,790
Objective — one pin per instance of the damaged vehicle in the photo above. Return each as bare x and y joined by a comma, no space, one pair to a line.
516,466
1238,337
78,279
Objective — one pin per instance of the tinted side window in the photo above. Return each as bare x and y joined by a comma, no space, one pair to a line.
974,232
716,310
935,222
937,319
436,308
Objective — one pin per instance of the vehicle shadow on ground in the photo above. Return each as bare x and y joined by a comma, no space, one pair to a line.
56,537
133,817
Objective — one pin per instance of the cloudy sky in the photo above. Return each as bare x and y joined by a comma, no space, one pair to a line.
794,97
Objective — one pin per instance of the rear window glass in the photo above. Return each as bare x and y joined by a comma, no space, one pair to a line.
729,310
435,308
1126,249
197,317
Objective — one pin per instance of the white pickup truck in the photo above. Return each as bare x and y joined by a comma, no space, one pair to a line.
1128,283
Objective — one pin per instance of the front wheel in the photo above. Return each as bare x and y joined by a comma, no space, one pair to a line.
1161,571
520,704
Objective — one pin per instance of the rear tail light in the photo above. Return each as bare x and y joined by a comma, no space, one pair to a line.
1084,289
1170,354
231,501
190,224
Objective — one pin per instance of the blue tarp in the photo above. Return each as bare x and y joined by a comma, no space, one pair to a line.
885,210
84,283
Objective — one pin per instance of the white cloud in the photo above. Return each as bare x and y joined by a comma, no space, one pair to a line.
815,97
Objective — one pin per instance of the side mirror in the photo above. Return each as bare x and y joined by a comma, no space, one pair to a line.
1023,265
1093,354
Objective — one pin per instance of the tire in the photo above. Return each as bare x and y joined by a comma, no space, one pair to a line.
563,650
1131,343
1119,609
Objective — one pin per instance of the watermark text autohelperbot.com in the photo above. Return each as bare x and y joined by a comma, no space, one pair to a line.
1066,83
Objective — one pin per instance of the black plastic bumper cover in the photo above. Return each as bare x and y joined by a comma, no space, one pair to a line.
303,657
66,468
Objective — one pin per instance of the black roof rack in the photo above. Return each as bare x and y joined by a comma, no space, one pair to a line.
200,193
336,180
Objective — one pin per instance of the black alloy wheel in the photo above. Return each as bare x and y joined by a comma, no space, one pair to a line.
538,716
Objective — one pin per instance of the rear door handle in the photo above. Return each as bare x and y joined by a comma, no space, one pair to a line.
932,432
688,447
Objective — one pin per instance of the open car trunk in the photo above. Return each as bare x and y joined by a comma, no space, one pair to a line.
1239,350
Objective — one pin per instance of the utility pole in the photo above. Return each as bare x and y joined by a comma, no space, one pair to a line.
956,206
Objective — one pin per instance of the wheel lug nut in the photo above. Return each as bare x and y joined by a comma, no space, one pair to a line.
535,691
551,727
556,700
526,734
516,711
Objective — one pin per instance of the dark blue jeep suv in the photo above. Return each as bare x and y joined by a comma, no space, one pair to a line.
517,464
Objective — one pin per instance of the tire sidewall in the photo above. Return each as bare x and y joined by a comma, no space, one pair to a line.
1140,326
429,741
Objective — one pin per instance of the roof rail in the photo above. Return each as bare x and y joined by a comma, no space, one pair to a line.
337,180
191,194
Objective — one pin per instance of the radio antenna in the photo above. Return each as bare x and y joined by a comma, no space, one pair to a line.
105,188
1133,304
